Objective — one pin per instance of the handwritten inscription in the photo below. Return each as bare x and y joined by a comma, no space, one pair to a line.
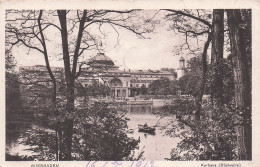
121,164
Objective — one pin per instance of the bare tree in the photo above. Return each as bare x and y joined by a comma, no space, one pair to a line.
30,34
29,28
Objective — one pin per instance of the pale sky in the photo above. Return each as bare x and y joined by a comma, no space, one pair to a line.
154,53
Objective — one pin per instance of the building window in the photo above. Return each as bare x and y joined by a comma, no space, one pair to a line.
131,85
126,83
137,85
116,82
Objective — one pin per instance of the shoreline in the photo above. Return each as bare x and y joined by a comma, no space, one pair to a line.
132,101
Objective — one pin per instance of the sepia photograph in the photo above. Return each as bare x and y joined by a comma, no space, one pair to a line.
128,85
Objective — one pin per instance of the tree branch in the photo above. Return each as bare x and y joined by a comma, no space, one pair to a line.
80,34
189,15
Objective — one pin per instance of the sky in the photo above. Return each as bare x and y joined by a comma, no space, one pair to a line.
130,52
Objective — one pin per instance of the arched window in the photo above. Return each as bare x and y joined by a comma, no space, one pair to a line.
116,82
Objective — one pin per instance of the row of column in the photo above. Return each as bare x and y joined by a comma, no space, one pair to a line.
120,92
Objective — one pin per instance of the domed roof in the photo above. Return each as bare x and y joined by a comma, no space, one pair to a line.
101,60
182,59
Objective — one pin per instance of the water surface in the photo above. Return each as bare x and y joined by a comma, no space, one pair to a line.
155,147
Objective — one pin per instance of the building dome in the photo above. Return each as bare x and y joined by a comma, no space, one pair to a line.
182,59
101,60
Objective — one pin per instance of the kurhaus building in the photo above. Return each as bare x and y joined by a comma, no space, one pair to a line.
102,69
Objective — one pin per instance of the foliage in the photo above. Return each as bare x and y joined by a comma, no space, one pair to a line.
227,75
172,70
194,64
143,90
12,92
10,157
190,83
212,139
94,89
42,142
163,86
10,62
11,84
98,133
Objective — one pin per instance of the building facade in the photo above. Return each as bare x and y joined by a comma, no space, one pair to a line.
123,83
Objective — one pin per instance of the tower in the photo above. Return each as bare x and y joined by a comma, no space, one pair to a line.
182,63
180,70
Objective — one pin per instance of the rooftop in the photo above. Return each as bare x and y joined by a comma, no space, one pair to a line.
101,59
150,72
182,59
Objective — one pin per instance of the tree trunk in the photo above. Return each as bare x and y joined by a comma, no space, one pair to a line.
54,85
217,54
68,123
199,97
70,76
242,85
79,38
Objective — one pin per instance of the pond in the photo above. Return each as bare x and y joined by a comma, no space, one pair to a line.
155,147
17,124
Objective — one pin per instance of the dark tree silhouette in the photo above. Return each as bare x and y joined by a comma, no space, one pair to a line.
242,84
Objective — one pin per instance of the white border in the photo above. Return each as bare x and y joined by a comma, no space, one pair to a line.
140,4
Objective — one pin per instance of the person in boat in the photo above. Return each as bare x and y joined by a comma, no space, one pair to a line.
145,125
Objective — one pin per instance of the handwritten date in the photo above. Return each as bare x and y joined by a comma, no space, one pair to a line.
121,164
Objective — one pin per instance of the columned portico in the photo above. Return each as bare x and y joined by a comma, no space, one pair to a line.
119,88
125,83
120,92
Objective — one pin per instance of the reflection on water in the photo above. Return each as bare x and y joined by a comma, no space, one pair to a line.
155,147
17,124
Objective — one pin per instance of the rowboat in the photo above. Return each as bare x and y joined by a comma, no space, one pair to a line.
146,129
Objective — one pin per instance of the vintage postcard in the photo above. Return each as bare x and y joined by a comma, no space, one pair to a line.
129,83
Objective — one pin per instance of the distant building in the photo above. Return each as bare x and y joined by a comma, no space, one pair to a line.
37,76
123,83
180,70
